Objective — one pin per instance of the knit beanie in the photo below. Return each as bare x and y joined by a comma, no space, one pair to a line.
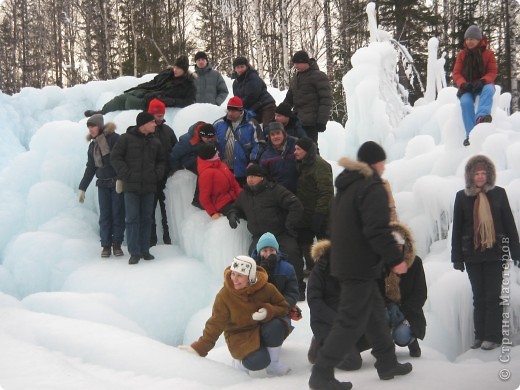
200,55
300,57
305,143
96,120
143,118
207,130
267,240
371,153
235,103
255,170
241,61
206,151
473,32
244,265
183,63
275,126
284,109
156,106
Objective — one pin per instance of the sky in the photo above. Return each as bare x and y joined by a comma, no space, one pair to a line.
69,319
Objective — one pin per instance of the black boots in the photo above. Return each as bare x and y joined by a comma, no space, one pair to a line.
398,369
415,350
351,362
323,379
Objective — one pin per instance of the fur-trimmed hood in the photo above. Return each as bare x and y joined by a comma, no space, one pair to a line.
354,165
320,249
108,129
471,189
392,291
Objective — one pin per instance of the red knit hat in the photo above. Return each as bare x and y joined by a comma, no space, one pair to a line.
235,103
156,106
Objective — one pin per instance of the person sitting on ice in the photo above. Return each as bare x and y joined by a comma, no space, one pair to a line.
249,310
474,73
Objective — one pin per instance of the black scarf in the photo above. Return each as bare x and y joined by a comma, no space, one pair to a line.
473,66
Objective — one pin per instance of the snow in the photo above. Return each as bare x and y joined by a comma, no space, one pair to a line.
69,319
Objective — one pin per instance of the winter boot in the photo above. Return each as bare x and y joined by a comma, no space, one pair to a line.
484,119
466,142
89,113
166,236
148,256
323,379
153,235
134,259
489,345
313,350
116,248
398,369
106,252
276,368
351,362
415,350
476,344
239,366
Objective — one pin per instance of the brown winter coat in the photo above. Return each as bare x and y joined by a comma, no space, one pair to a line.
232,311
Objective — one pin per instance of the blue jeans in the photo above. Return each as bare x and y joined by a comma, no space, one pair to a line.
272,334
467,105
138,222
111,216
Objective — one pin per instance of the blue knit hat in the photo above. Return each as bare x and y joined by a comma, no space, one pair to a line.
267,240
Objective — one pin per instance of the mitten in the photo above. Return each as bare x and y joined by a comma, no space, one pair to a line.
81,196
465,87
321,127
188,348
119,186
477,87
459,265
233,220
260,315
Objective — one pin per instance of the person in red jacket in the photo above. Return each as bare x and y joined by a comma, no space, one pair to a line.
474,74
217,184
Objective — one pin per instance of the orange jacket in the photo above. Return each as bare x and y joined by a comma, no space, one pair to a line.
490,65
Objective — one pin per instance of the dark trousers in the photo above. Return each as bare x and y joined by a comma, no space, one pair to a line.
361,311
312,133
486,283
138,208
160,198
305,241
272,334
265,115
111,216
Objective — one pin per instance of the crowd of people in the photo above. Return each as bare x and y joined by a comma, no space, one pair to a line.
260,163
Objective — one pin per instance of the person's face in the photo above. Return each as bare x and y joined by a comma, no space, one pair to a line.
276,137
379,167
93,130
254,180
207,140
471,43
240,69
233,115
299,153
148,128
284,120
301,66
239,281
159,118
178,72
480,178
267,251
201,63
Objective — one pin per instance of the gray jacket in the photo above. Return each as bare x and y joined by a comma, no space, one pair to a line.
211,87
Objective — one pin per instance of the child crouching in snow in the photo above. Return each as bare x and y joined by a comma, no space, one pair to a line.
250,312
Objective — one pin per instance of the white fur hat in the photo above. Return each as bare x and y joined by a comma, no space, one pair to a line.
245,265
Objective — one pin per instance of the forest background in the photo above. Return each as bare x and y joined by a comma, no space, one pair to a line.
69,42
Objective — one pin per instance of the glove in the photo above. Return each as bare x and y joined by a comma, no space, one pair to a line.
321,127
317,221
477,87
119,186
269,263
465,87
81,196
260,314
233,220
188,348
459,265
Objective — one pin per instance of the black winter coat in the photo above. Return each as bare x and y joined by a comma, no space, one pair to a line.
269,208
106,175
252,90
168,139
174,91
505,229
362,242
139,161
413,296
